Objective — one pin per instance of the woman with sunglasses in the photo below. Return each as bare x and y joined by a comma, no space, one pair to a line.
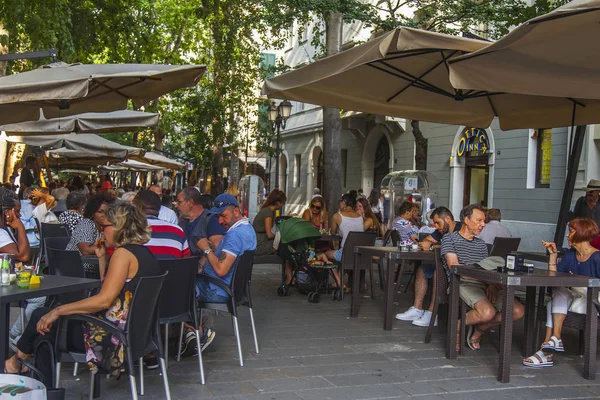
316,213
87,231
125,228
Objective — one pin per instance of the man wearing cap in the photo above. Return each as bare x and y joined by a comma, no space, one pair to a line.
587,206
240,237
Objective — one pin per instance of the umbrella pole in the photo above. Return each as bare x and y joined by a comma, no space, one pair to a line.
47,167
574,156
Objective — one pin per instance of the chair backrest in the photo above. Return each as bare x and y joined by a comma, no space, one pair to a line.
142,321
59,243
395,236
64,263
441,278
242,274
355,239
53,230
178,292
503,246
386,237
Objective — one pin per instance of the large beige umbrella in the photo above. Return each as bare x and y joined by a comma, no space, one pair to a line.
63,157
131,165
67,89
116,121
159,160
557,54
80,146
404,73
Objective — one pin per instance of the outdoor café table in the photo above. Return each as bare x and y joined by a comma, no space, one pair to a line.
50,285
530,280
394,256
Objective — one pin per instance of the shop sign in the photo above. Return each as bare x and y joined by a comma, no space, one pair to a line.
473,140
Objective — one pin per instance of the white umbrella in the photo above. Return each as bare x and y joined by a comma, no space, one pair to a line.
67,89
131,165
116,121
158,159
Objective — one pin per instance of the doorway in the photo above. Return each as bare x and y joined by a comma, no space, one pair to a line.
382,163
477,172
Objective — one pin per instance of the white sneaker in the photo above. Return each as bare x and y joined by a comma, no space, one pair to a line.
410,315
425,319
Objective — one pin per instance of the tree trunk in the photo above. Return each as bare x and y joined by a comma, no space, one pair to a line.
332,125
420,146
217,185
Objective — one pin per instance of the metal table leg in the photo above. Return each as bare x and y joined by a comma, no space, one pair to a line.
530,320
390,290
354,306
591,334
453,317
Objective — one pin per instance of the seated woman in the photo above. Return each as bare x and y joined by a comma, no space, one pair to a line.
345,221
580,259
10,207
371,222
317,215
125,228
72,216
87,232
265,220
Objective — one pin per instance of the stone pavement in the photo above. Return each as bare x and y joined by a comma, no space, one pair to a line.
316,351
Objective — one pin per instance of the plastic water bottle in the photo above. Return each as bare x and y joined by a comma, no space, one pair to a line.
5,271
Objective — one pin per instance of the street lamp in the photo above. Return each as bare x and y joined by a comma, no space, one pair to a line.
278,115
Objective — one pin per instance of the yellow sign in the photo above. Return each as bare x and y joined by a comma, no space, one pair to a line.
473,140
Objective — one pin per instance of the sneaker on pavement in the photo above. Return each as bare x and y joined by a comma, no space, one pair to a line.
410,315
425,319
207,338
188,345
151,362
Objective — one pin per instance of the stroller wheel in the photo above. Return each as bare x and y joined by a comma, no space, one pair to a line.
283,291
316,297
310,297
337,294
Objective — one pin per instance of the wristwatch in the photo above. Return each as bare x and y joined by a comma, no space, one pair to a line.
207,252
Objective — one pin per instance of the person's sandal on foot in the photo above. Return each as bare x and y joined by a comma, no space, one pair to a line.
538,360
474,344
553,344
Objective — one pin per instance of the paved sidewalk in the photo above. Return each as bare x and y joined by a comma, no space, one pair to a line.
316,351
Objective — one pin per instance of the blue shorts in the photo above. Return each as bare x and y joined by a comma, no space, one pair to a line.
428,270
338,254
207,294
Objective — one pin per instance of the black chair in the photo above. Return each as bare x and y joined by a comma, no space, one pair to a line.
140,336
503,246
49,231
239,295
347,264
440,297
177,302
59,243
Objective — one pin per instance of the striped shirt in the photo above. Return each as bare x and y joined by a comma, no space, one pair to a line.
167,240
467,251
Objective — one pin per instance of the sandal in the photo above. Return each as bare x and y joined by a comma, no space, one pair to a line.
554,344
539,360
474,343
458,343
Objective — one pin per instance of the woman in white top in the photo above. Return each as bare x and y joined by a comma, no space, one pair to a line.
345,221
44,202
9,219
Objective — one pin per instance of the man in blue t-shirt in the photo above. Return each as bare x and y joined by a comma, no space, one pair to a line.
240,237
444,223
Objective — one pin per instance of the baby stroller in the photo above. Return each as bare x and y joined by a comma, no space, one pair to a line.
297,241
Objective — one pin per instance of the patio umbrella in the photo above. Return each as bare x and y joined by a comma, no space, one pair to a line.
116,121
557,54
80,146
131,165
404,73
62,89
159,160
63,157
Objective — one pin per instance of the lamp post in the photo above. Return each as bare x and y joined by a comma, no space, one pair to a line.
278,115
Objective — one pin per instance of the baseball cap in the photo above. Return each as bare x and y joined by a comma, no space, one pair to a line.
223,201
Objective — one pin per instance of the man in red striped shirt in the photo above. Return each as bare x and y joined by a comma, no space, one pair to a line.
167,240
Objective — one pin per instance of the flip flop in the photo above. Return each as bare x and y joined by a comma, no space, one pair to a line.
538,360
554,344
472,342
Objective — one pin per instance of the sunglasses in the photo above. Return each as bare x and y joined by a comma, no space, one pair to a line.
313,206
103,227
221,203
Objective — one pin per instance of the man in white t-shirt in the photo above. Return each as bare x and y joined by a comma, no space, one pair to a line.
165,213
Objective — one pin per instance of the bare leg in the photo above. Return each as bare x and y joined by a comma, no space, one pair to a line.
558,320
288,272
12,365
420,289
